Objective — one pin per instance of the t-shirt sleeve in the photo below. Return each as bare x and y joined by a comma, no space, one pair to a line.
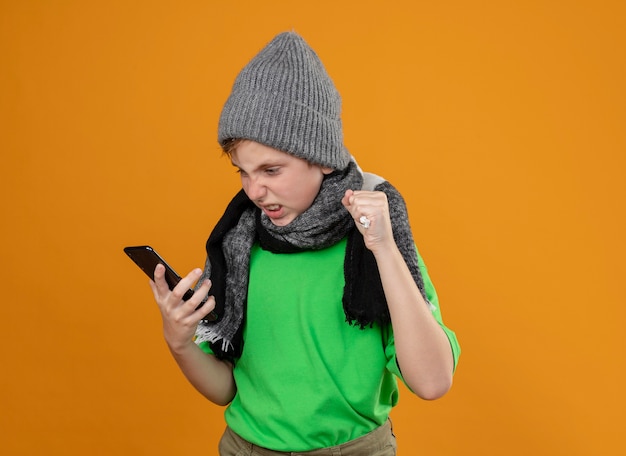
206,347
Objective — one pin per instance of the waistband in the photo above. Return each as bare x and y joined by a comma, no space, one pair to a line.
378,438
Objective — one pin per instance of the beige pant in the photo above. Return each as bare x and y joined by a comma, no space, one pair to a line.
379,442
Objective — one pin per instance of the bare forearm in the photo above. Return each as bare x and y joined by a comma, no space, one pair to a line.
422,347
212,377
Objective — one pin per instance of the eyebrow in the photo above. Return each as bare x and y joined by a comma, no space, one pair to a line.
263,165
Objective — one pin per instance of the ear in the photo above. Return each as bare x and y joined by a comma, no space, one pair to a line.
327,170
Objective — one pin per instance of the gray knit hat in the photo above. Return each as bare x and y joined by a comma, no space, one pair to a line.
284,98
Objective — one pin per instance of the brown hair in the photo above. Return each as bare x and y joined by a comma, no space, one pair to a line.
229,146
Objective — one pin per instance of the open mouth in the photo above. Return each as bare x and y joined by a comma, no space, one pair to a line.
273,210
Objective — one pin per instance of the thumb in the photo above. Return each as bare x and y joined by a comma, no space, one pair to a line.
346,200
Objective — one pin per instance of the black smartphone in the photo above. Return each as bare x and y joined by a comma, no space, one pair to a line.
147,259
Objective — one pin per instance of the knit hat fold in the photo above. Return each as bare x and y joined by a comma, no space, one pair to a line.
284,98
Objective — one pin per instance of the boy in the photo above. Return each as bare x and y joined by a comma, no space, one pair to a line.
321,297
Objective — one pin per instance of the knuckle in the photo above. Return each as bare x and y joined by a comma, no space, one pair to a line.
177,293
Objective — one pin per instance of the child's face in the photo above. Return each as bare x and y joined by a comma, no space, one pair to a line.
281,185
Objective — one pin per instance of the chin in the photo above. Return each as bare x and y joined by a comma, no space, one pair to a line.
282,221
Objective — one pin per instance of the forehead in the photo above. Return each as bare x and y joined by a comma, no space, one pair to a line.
252,155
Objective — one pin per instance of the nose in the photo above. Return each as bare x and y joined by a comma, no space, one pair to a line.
255,189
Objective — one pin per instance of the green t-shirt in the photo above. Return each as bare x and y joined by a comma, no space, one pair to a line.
307,379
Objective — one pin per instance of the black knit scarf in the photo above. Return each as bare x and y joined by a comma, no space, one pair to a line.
324,224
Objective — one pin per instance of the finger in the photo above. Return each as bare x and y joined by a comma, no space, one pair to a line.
206,312
197,307
199,295
346,200
186,283
355,199
350,202
159,284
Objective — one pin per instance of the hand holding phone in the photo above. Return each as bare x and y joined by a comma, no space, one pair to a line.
147,259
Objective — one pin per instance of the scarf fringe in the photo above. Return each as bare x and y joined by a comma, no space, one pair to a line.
208,334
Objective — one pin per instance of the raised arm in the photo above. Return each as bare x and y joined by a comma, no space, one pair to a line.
422,347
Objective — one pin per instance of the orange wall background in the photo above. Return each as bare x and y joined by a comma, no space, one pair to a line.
501,122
